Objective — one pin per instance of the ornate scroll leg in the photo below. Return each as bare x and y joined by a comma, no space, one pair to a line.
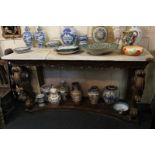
21,84
136,84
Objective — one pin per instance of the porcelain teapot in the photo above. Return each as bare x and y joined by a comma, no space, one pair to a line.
54,96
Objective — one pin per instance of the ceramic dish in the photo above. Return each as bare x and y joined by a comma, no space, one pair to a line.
121,107
67,52
101,48
53,43
21,50
99,34
67,48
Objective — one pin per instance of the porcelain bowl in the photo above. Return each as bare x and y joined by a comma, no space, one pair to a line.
101,48
121,107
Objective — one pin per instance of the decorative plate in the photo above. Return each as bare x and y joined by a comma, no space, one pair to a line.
99,34
21,50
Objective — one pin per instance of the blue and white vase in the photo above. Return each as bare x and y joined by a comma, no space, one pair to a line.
28,37
83,40
40,37
110,94
69,36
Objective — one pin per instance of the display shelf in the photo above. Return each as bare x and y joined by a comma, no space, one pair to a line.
51,55
85,105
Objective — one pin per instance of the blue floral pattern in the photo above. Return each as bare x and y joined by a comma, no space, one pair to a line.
69,36
40,37
28,37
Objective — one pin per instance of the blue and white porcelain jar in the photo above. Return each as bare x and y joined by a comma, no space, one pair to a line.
83,40
69,36
28,37
110,94
40,37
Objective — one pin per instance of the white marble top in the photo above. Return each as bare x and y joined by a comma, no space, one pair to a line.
50,54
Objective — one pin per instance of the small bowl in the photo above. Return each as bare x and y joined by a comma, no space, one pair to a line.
121,107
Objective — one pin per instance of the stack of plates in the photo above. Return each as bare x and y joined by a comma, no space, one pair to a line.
71,49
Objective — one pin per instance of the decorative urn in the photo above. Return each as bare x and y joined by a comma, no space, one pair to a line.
40,37
54,96
69,36
28,37
94,95
76,93
110,94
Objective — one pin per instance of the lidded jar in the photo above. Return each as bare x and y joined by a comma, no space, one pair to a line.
94,95
110,94
54,96
76,93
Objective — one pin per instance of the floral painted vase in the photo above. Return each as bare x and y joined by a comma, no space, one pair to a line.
133,36
139,32
28,37
69,36
40,37
110,94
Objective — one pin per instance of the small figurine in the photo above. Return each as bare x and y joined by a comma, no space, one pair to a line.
54,96
40,37
28,37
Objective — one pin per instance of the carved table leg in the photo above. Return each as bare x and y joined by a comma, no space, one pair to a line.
21,84
136,83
